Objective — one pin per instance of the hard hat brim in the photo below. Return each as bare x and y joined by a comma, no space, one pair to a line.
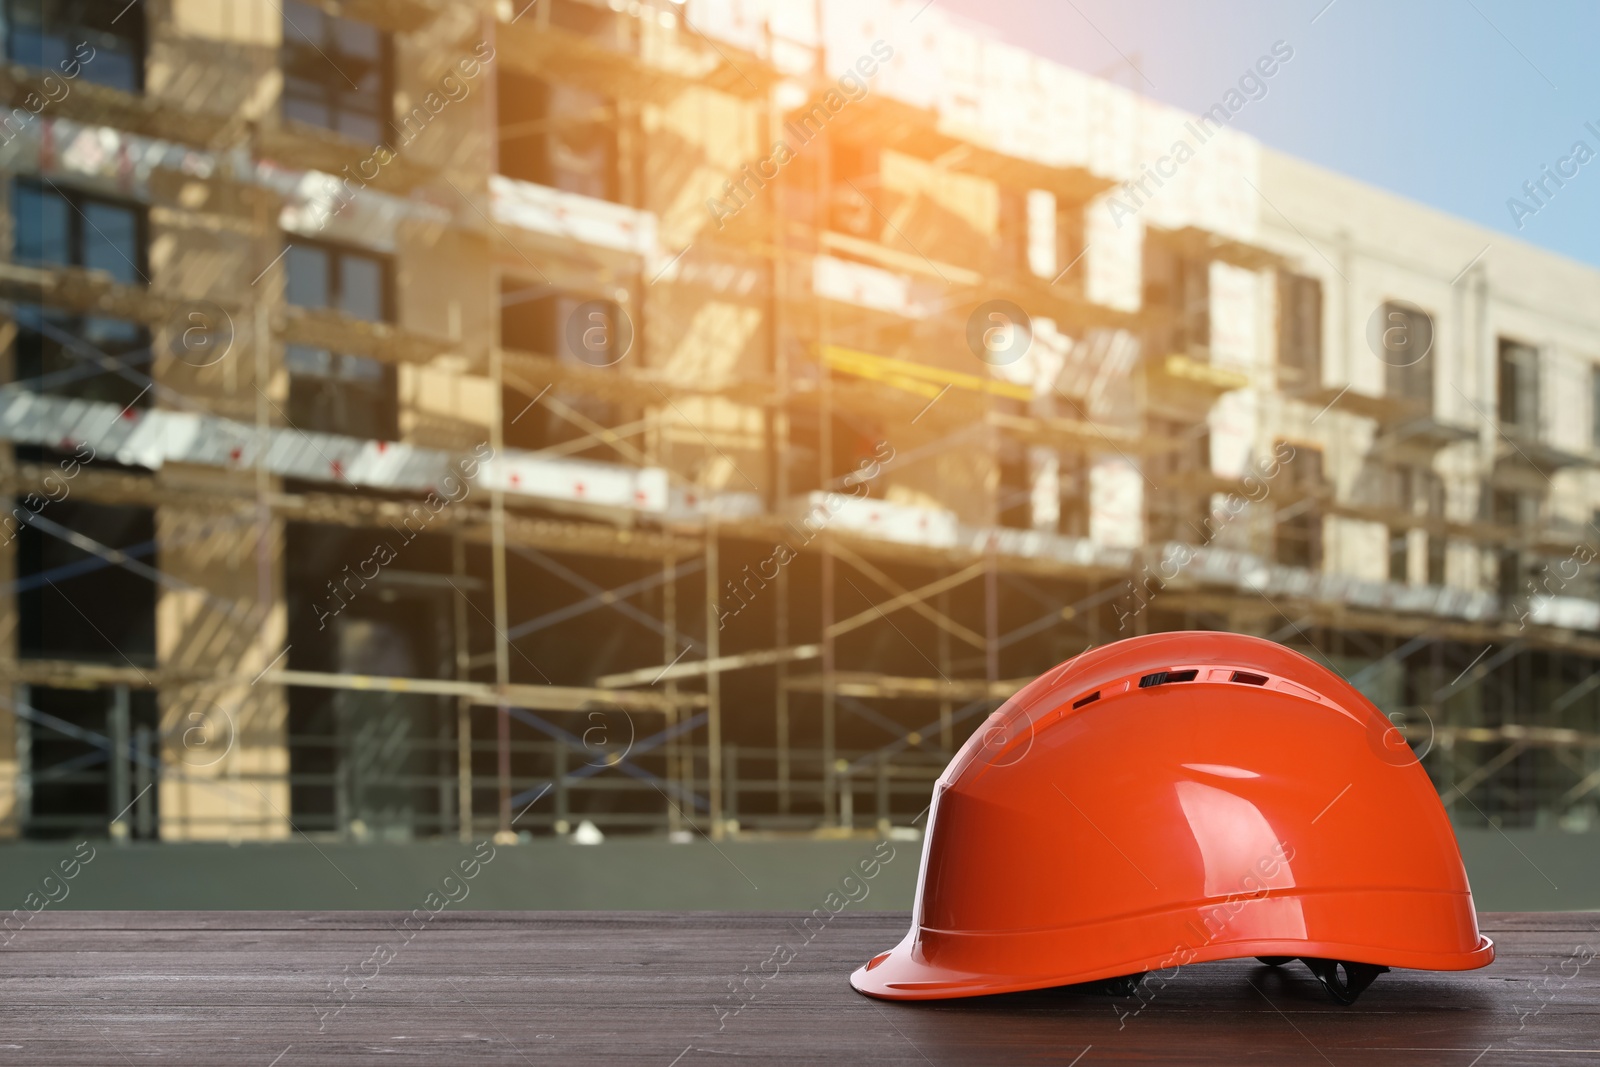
905,973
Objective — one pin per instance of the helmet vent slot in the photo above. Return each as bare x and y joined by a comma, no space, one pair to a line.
1247,678
1090,699
1163,677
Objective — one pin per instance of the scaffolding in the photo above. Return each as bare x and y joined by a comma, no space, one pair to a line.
764,587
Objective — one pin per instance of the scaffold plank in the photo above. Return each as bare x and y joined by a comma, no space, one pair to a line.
701,668
871,686
538,697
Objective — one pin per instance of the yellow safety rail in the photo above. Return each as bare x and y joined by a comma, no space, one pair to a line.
918,378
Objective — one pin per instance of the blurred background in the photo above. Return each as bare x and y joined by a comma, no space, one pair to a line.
652,437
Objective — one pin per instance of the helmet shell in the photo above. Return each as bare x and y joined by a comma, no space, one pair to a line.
1177,798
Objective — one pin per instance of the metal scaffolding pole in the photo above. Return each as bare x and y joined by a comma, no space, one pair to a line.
713,686
781,697
121,787
946,726
669,642
261,349
991,559
262,352
780,466
829,666
497,512
502,648
458,562
825,541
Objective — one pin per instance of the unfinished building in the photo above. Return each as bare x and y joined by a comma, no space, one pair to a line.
434,418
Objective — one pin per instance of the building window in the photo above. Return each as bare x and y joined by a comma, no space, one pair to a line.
330,391
88,611
1306,473
1415,490
1436,559
1074,484
1430,492
337,73
57,226
1399,555
1178,285
1297,537
105,41
564,325
1510,580
1071,244
1503,507
1407,343
60,352
1510,508
75,791
1519,387
1015,503
855,180
1300,329
557,135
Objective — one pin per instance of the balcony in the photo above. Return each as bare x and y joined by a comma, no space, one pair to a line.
299,146
1404,423
583,231
1529,446
650,56
1186,385
87,292
151,439
338,332
1038,295
864,286
1196,243
100,105
893,124
1419,431
901,523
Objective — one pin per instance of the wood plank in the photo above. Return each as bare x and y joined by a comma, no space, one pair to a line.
653,988
880,686
700,668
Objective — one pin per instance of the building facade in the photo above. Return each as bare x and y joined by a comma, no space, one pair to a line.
430,418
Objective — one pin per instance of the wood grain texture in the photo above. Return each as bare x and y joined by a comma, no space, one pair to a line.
645,988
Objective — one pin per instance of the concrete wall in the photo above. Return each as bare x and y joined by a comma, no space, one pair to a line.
1521,871
1368,246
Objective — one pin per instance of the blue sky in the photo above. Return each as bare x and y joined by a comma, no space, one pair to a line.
1454,103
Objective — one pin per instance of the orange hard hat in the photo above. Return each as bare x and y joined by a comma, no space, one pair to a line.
1173,799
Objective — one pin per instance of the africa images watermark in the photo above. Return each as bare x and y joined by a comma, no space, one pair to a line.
809,124
1550,183
1580,957
41,898
452,889
1252,85
811,524
384,552
1253,886
56,489
453,88
54,90
1540,593
853,889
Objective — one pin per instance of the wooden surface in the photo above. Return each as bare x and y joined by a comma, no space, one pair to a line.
645,988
